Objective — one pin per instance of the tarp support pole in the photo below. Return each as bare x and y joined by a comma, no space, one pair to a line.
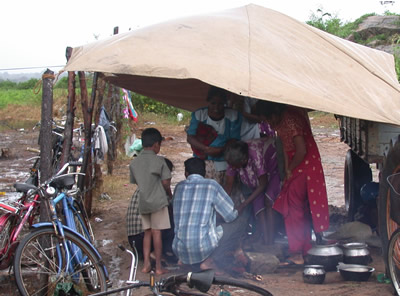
46,135
69,124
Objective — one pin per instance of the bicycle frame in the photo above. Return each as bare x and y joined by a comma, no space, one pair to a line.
71,250
23,213
59,227
69,210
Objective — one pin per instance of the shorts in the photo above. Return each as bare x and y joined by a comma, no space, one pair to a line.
157,220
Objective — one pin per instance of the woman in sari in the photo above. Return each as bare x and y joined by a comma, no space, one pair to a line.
303,199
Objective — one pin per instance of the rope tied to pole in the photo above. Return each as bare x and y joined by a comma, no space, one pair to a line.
38,86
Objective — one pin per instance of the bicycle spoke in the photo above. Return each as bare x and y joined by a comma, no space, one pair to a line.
37,264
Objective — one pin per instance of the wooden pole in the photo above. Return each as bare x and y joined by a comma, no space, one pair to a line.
87,165
98,176
45,138
69,124
113,109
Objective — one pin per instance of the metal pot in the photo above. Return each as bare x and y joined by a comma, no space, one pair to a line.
356,253
355,272
314,274
327,255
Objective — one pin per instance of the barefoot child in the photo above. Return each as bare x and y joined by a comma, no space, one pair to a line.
152,175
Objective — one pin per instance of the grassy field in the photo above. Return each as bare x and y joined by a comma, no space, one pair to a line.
22,109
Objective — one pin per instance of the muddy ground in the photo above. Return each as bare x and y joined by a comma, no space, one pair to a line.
108,219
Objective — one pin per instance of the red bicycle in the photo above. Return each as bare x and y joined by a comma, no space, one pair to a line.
15,215
12,222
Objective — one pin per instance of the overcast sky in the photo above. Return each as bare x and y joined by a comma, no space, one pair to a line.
36,33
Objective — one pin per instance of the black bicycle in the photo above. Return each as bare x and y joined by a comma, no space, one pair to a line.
192,283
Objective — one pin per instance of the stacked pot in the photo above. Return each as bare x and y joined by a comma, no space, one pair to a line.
353,258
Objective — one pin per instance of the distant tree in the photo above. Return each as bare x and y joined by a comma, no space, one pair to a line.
62,83
29,84
7,84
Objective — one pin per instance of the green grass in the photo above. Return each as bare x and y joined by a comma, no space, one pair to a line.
19,97
26,97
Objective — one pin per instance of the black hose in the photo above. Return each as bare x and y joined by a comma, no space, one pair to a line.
244,285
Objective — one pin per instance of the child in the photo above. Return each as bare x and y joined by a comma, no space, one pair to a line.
134,223
152,175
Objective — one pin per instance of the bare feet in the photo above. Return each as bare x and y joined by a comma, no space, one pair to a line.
161,271
297,259
209,264
146,268
241,257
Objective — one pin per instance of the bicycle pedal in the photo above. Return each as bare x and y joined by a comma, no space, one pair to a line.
109,284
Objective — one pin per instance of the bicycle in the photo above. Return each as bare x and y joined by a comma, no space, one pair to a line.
17,214
196,281
26,209
55,257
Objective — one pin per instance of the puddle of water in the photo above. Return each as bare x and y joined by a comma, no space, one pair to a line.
106,242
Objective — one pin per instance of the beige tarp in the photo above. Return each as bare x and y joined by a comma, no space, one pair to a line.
252,51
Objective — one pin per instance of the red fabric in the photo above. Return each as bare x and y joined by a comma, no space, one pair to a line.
206,134
298,221
307,176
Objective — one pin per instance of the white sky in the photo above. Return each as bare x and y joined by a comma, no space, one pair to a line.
36,33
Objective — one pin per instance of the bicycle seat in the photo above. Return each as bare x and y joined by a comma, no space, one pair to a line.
24,187
63,182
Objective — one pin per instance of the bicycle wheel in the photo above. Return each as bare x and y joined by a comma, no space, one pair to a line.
41,266
89,276
239,284
393,260
82,225
7,225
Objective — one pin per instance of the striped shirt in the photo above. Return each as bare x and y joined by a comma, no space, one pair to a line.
196,201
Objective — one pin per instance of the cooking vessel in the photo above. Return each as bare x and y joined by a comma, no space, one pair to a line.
356,253
355,272
327,255
314,274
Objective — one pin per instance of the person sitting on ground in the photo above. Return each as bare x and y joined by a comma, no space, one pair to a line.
198,239
152,175
256,164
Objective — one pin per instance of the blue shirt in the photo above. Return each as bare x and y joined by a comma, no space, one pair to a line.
227,128
196,201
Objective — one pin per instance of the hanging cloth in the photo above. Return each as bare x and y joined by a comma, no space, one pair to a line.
100,144
128,100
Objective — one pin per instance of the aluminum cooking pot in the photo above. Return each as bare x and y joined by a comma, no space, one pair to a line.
314,274
327,255
354,272
356,253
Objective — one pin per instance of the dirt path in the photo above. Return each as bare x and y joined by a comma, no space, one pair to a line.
111,230
108,219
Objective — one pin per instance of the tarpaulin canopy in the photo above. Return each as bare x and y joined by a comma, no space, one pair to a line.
251,51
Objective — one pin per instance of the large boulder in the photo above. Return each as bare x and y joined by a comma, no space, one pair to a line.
379,25
379,32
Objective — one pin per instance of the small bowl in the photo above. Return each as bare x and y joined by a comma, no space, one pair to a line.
314,274
354,272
